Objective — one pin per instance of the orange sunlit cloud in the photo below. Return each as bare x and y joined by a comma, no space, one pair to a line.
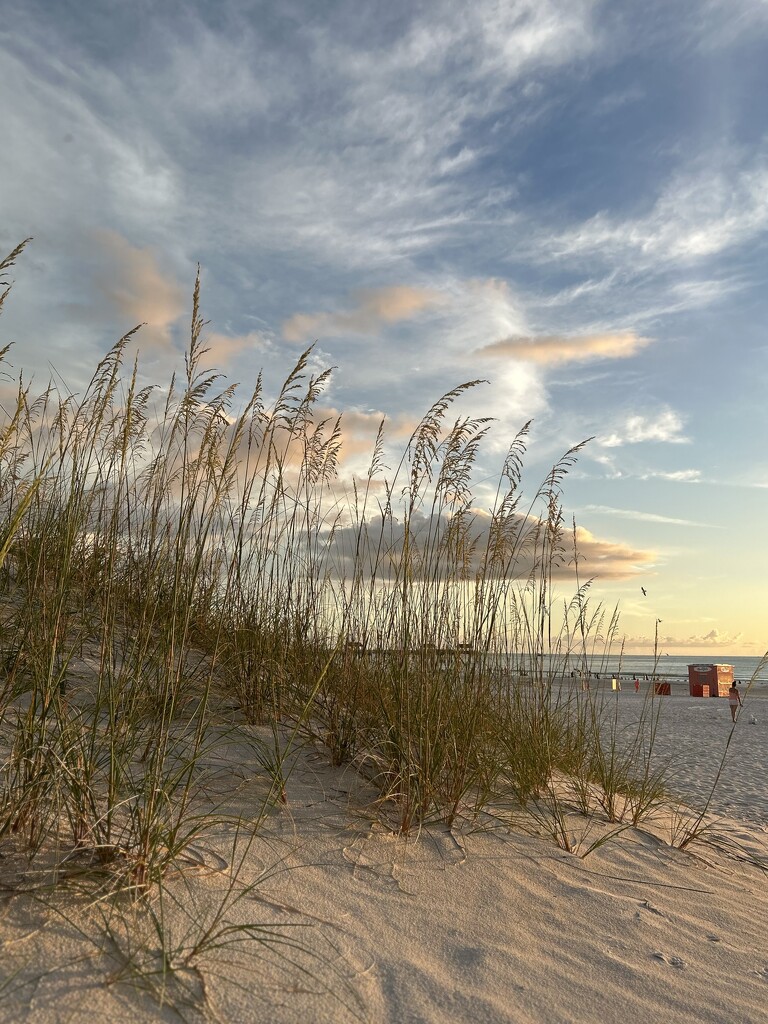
222,348
602,559
609,560
373,308
358,432
552,349
131,280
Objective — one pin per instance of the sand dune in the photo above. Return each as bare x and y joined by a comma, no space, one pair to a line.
479,924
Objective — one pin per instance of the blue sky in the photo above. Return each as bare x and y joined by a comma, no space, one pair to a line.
569,199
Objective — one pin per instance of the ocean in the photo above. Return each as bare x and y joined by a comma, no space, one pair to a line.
672,667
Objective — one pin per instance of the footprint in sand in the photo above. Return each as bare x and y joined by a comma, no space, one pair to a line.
673,961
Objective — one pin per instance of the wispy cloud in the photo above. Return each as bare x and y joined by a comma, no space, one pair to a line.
421,342
665,427
701,212
547,350
371,310
644,517
683,476
382,115
723,22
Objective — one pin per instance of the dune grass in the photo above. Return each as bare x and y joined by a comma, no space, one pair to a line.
169,554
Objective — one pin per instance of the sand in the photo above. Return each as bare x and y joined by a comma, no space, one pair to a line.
481,923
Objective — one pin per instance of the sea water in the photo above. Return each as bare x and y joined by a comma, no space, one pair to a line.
671,667
674,667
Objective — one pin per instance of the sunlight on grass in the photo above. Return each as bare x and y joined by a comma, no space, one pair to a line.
181,564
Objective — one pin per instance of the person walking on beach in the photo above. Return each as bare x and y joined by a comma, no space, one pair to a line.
637,685
734,700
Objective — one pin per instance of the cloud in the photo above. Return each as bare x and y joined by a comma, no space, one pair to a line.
703,211
222,348
373,309
685,476
134,286
723,22
610,560
392,154
714,636
550,349
380,549
645,517
665,427
381,113
358,433
715,639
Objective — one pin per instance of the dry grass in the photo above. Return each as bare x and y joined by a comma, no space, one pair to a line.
160,560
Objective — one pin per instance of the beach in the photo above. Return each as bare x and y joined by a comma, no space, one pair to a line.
382,472
693,731
484,922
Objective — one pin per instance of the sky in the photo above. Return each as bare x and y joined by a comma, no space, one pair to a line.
566,198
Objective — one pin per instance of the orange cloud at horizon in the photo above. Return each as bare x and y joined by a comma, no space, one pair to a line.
550,349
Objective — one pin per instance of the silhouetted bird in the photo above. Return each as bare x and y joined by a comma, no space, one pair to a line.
643,590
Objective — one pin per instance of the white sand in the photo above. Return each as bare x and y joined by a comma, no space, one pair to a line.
693,732
470,926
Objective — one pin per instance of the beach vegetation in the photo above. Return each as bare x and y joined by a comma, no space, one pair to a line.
183,573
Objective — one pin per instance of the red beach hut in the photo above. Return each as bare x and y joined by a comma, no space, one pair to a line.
709,680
